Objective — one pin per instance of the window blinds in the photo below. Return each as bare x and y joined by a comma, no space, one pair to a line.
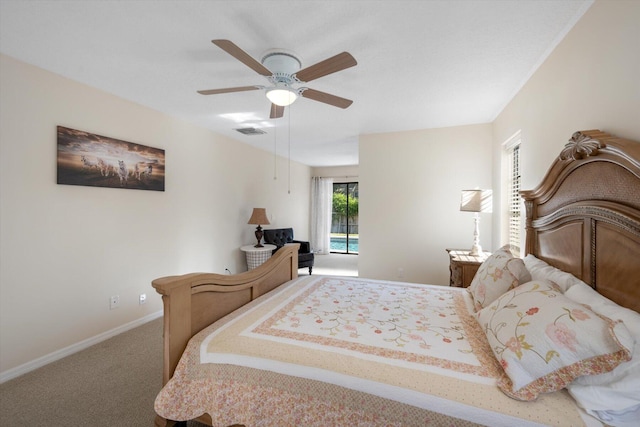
514,199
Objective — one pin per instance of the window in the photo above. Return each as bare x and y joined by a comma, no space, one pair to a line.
344,223
513,199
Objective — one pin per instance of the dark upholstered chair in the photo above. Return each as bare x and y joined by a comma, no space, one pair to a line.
282,236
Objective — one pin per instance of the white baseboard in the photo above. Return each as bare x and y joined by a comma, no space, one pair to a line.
12,373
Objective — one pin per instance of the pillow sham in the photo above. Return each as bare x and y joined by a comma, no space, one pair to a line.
614,396
496,275
544,340
540,270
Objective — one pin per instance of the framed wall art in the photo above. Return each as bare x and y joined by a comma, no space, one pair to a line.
98,161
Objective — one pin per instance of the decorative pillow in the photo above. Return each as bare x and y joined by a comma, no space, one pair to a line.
540,270
544,340
496,275
613,395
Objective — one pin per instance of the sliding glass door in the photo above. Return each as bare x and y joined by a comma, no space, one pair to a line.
344,218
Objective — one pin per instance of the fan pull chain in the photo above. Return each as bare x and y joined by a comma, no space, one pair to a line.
289,171
275,147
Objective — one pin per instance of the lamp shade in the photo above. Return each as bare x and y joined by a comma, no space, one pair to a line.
282,96
476,201
259,217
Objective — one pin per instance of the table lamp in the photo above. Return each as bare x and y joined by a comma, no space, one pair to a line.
476,201
258,217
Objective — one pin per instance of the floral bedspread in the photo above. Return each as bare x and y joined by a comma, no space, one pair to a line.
348,351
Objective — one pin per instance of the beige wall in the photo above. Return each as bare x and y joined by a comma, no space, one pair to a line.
410,181
410,186
66,249
590,81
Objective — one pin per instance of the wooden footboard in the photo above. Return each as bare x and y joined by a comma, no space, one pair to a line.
194,301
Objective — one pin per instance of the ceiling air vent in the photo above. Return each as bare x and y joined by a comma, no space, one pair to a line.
251,131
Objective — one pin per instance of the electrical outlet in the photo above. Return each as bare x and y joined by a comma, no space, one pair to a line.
143,299
400,273
114,302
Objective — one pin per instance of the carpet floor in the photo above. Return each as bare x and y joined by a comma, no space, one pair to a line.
113,383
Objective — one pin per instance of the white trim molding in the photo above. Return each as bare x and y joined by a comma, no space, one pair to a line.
12,373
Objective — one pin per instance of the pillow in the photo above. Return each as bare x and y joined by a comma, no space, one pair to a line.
540,270
496,275
614,395
585,294
544,340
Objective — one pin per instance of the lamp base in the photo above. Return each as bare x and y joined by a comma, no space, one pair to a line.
476,250
259,235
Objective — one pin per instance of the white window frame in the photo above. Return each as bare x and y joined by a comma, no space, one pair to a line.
512,205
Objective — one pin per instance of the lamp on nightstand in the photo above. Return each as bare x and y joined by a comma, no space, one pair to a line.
258,217
476,201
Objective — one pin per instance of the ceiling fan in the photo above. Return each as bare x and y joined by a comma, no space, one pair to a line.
282,69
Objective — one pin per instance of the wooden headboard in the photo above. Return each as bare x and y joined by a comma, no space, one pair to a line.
584,218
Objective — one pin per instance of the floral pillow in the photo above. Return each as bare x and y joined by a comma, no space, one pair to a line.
497,274
544,340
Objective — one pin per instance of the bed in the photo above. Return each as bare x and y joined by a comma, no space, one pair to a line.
268,348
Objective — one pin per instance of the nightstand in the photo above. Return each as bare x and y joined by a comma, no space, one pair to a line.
463,266
256,256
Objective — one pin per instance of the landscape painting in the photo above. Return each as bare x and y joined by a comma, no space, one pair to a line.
99,161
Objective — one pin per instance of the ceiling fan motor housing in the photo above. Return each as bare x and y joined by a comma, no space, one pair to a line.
282,64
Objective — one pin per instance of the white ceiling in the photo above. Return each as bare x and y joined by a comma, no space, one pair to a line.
421,64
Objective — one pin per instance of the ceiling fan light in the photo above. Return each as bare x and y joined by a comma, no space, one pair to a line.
282,96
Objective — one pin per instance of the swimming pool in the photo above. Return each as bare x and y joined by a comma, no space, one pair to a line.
339,244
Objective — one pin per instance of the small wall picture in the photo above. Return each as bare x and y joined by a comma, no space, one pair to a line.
99,161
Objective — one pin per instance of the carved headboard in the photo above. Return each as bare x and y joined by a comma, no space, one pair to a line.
584,217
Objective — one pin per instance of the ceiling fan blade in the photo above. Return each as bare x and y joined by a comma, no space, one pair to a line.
327,98
228,90
242,56
331,65
276,111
